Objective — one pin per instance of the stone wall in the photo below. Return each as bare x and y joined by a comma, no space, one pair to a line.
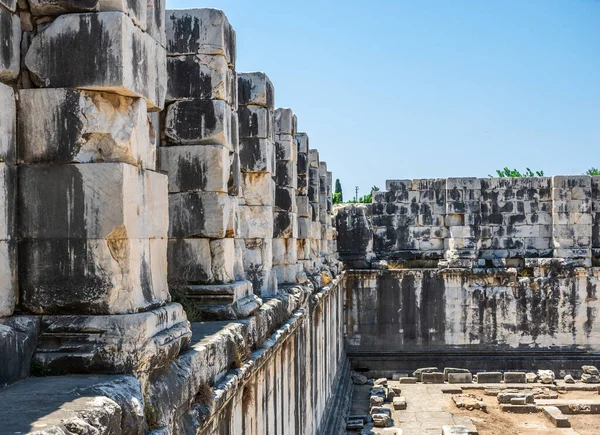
466,222
485,271
149,228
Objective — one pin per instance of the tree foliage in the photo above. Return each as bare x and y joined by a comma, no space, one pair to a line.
338,196
514,173
594,172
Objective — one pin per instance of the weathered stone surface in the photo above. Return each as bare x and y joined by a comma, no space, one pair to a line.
11,5
192,122
546,376
224,301
136,9
196,167
8,124
258,188
432,378
557,418
201,76
146,341
489,377
74,404
286,174
18,338
285,121
8,277
10,49
92,276
358,379
200,261
125,60
256,222
65,202
100,127
202,214
285,225
257,255
399,403
202,31
285,199
590,370
460,378
515,377
448,370
8,201
256,122
257,155
155,21
255,89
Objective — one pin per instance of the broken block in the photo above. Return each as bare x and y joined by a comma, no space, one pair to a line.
196,167
125,61
74,126
202,31
515,377
489,377
432,378
191,122
399,403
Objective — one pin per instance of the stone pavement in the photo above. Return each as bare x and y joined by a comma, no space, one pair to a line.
425,411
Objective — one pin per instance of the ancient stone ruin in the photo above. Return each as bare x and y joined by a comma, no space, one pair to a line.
171,261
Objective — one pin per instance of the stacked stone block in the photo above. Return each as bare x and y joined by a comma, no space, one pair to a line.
516,218
257,162
409,218
285,211
314,188
487,222
302,203
92,209
572,219
8,185
200,153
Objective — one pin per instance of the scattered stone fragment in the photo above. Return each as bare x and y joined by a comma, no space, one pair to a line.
358,379
468,402
381,381
460,378
418,373
451,390
531,377
505,396
454,430
519,409
586,378
399,403
545,376
544,393
515,377
569,379
408,380
381,420
354,424
397,390
492,391
449,370
376,401
489,377
432,378
557,418
590,370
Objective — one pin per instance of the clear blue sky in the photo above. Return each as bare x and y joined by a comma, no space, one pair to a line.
421,89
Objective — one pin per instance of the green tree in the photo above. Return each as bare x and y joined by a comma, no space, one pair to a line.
594,172
514,173
338,190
